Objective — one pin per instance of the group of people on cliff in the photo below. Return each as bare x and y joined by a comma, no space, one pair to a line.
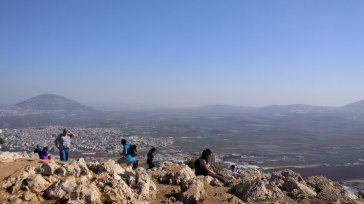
63,144
128,154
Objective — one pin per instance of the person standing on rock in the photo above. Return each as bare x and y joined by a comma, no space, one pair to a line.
151,158
125,147
202,166
63,143
128,154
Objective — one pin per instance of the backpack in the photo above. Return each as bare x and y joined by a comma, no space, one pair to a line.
132,150
198,168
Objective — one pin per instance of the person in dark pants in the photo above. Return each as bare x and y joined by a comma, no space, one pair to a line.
63,143
151,158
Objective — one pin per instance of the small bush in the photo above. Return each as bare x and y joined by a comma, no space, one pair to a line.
1,141
191,162
125,179
155,178
218,166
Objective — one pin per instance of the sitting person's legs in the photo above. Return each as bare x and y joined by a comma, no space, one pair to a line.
218,176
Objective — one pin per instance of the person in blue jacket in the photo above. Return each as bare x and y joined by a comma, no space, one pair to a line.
129,153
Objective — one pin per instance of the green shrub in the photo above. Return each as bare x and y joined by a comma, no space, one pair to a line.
1,141
125,178
191,162
218,166
156,178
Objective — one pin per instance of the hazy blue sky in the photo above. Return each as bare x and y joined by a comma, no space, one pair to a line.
183,53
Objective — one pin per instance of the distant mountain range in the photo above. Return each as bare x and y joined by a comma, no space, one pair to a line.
52,102
355,106
50,109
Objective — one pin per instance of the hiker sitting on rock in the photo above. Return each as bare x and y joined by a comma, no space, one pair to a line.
202,166
44,154
233,169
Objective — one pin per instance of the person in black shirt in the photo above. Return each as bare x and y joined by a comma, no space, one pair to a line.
151,157
202,166
38,150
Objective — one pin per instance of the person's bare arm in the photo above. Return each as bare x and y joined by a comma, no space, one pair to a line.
71,134
204,166
213,174
125,152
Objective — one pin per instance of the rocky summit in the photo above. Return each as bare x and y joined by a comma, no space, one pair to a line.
79,182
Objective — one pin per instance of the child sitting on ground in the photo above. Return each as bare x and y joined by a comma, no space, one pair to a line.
44,154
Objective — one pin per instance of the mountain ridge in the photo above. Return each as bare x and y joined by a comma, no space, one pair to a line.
52,102
359,105
57,102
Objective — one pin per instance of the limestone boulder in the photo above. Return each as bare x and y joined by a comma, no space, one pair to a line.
77,168
195,192
113,167
97,169
230,177
47,169
29,196
330,191
184,174
233,200
250,174
287,174
60,171
213,181
35,183
12,156
292,183
86,193
144,186
63,189
257,189
16,181
119,192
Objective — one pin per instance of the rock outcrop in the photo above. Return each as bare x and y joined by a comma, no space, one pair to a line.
182,175
330,191
108,182
257,186
195,191
75,182
12,156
